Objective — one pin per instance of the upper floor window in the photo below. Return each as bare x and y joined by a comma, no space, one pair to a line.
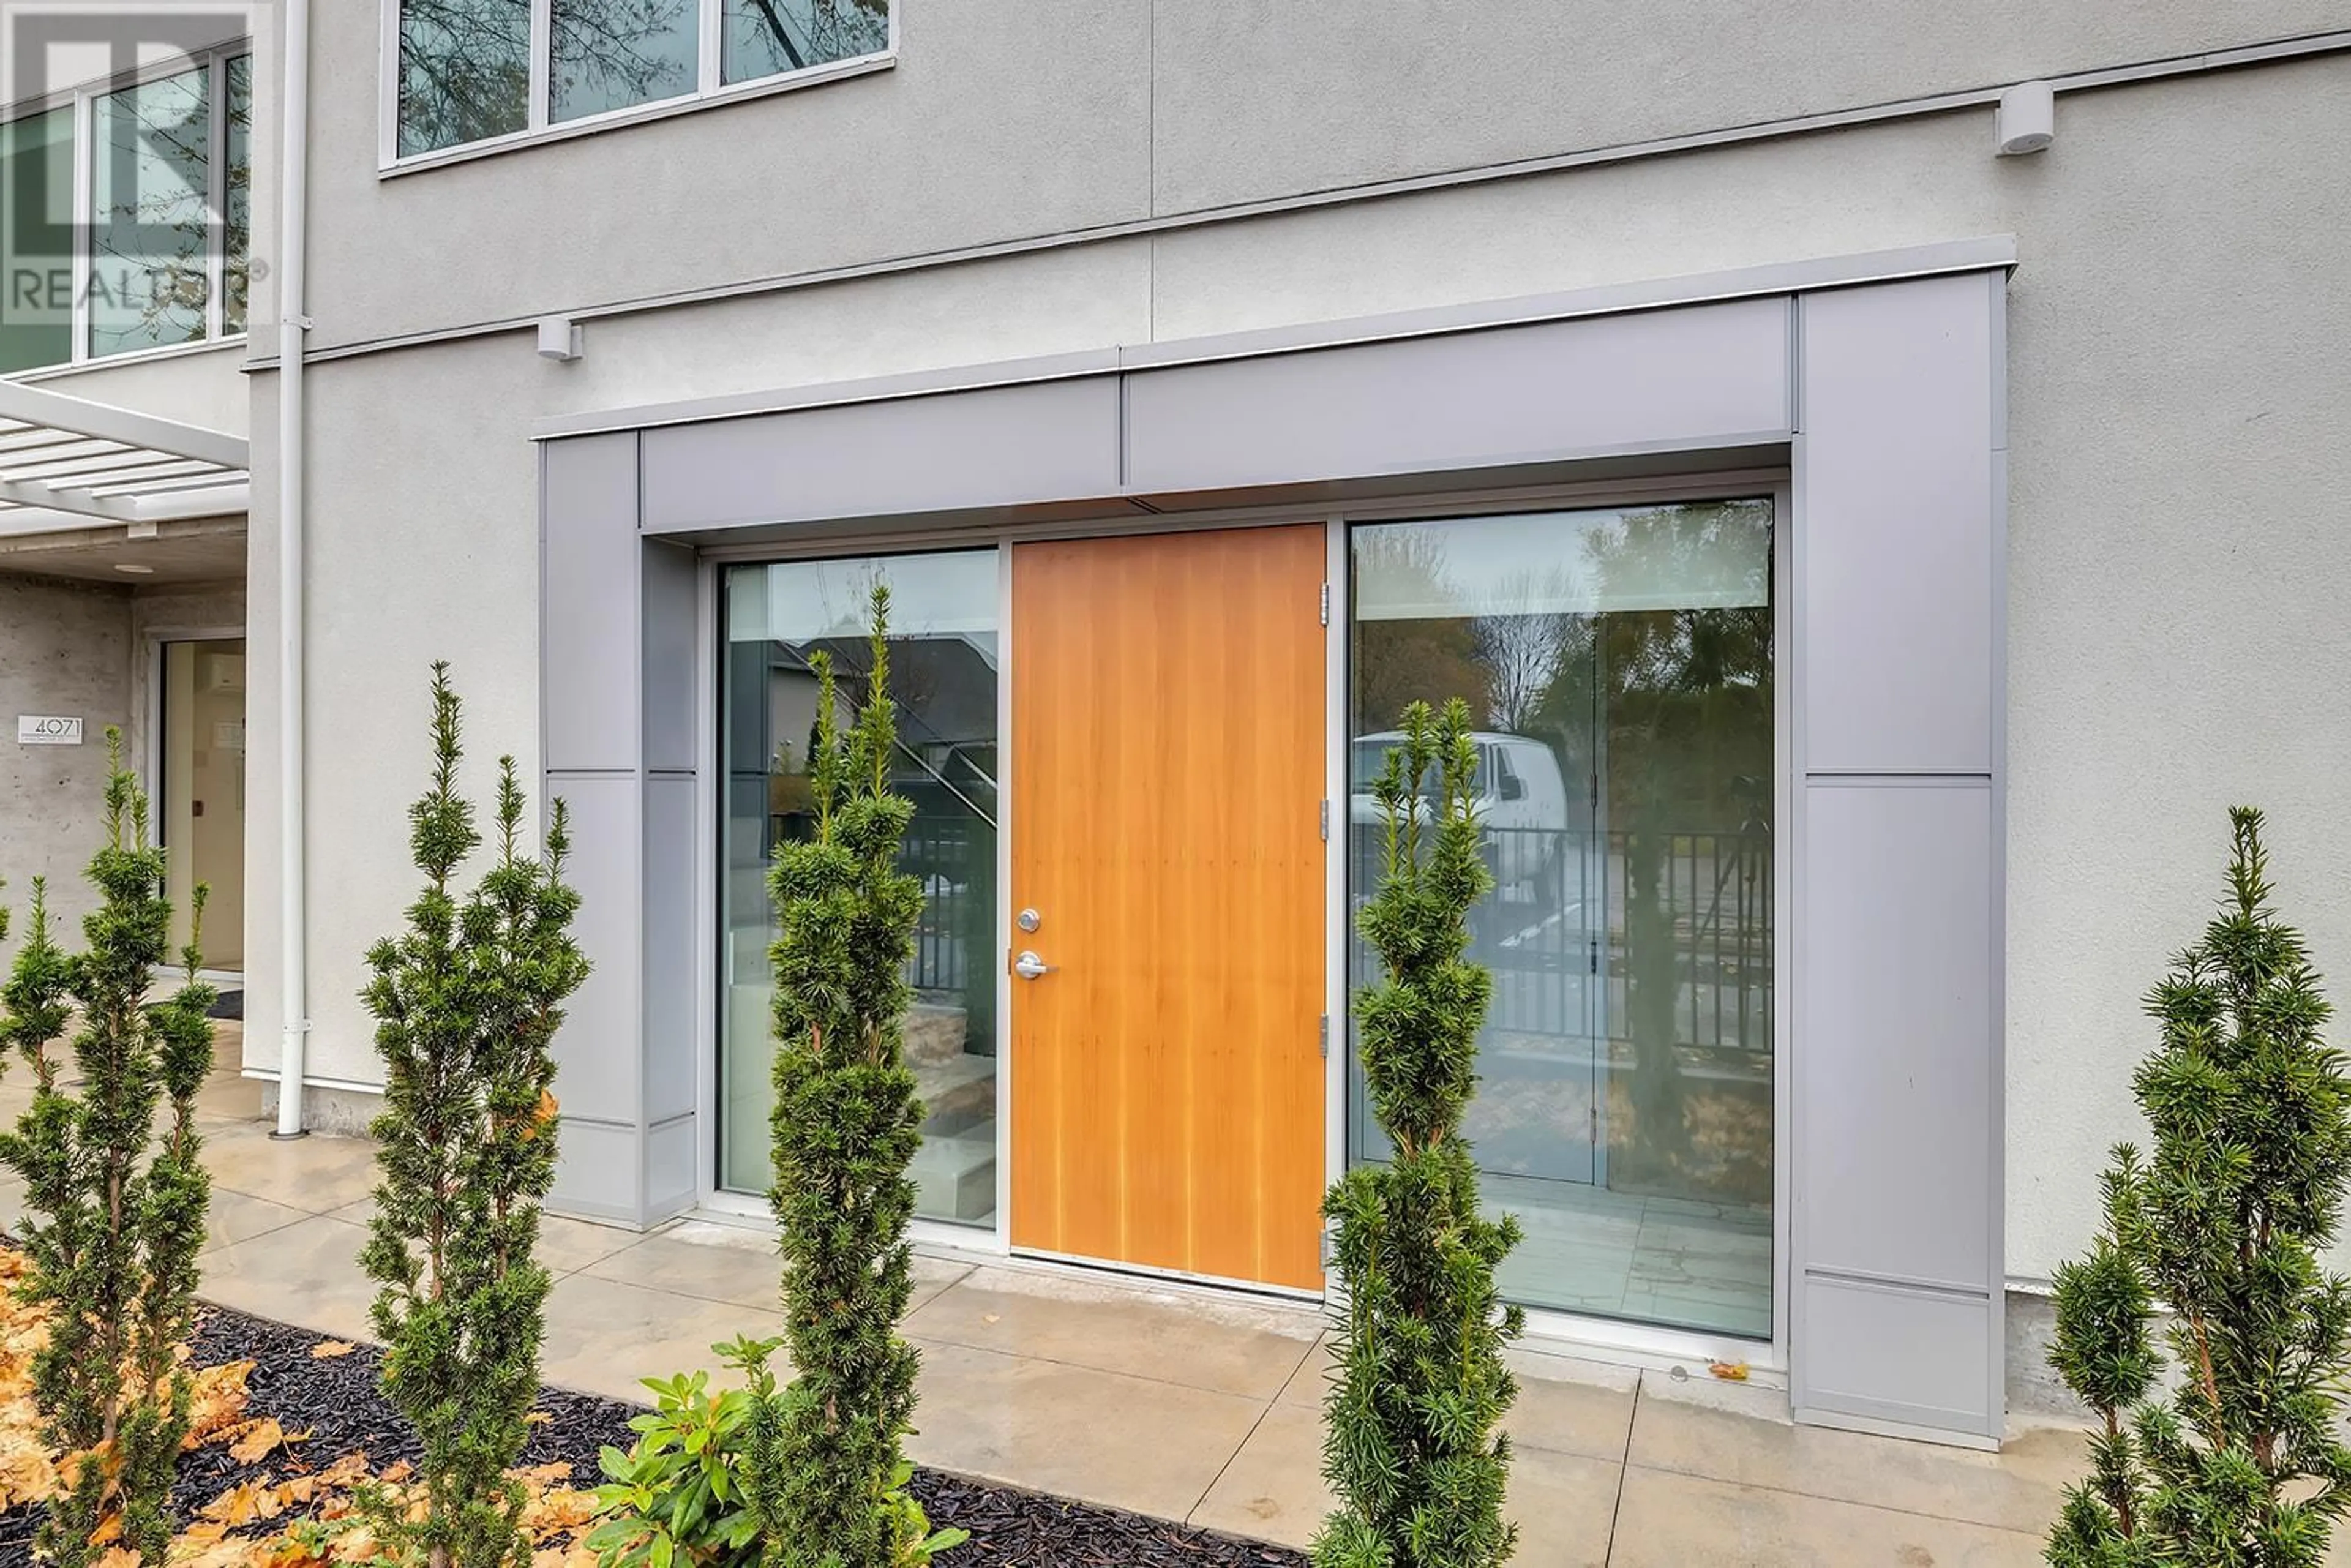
126,216
478,70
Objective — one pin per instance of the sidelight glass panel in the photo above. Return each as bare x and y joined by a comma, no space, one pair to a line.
769,38
610,55
944,674
1618,669
150,246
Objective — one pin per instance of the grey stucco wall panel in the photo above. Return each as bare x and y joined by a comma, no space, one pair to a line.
1898,575
999,122
1054,441
1715,376
1252,102
589,510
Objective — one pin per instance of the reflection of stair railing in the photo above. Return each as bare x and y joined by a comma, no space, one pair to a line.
1557,922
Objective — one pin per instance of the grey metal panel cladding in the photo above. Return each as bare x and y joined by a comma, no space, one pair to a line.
1708,375
1896,1008
1932,1372
666,920
1895,1089
589,508
596,1052
1005,445
1900,397
668,613
598,1173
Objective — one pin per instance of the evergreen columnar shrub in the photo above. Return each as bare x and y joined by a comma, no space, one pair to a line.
825,1466
1411,1449
2241,1462
466,1001
115,1206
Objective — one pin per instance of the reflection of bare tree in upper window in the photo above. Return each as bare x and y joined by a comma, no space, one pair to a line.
150,278
464,71
768,37
610,54
236,200
1522,646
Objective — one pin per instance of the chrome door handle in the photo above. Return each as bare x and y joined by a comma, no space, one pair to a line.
1028,966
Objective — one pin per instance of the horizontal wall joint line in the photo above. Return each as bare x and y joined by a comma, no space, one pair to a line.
1835,1276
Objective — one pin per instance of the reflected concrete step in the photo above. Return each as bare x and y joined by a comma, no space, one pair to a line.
935,1034
955,1092
956,1175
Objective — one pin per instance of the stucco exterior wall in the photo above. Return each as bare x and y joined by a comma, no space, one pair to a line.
65,649
1003,123
2174,413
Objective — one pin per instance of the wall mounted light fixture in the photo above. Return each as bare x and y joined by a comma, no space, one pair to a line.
2028,119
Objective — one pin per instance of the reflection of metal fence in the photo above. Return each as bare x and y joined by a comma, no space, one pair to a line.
1559,931
953,857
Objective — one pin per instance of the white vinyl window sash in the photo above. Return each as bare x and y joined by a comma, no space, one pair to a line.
589,64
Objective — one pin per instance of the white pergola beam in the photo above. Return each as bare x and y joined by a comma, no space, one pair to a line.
102,422
30,493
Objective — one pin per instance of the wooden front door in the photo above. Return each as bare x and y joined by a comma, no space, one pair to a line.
1167,779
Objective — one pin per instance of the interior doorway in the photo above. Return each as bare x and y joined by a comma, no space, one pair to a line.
200,791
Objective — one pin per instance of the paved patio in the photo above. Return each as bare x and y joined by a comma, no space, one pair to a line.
1180,1405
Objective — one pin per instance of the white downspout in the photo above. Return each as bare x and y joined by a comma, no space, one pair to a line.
293,163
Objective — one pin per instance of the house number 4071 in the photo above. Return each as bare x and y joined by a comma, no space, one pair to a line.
48,730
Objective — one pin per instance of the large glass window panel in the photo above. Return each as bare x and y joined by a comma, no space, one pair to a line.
944,676
37,241
464,72
237,199
612,53
1618,669
151,243
768,37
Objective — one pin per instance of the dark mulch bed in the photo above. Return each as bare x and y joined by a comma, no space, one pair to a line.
337,1402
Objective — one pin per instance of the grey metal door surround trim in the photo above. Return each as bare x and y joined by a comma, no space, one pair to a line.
1886,399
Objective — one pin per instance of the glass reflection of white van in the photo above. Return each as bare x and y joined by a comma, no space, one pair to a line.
1520,799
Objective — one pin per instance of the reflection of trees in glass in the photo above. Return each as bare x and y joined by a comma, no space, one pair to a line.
768,37
151,270
1399,663
236,200
1686,699
464,71
1523,647
609,54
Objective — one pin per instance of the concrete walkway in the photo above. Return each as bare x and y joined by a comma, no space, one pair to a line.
1172,1402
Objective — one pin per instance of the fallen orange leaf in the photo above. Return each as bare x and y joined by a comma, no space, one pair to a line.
330,1349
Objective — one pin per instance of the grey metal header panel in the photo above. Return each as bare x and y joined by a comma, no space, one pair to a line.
1982,254
1505,399
1707,376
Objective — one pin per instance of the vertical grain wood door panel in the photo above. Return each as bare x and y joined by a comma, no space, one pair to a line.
1167,773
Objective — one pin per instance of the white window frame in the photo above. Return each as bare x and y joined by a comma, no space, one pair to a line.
83,101
538,127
